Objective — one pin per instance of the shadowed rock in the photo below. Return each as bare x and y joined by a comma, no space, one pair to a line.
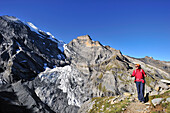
24,53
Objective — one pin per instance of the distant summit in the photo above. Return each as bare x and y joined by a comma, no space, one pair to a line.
157,63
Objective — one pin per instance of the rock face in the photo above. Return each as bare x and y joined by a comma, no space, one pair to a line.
24,53
163,65
61,88
20,98
102,66
38,75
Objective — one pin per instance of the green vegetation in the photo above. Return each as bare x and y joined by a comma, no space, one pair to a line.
166,78
148,66
109,67
165,105
148,81
100,86
103,104
103,89
153,112
119,72
113,72
121,78
125,81
164,95
100,76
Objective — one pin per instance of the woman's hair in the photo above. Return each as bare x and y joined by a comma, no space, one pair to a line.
139,66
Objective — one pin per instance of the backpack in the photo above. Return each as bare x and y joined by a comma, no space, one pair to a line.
140,71
143,80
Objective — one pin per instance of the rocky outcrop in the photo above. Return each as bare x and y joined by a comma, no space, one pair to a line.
156,101
102,65
163,65
24,53
60,88
86,54
20,98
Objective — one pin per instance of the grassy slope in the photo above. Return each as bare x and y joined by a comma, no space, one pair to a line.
103,104
163,105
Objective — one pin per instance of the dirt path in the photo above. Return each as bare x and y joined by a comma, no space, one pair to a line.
137,107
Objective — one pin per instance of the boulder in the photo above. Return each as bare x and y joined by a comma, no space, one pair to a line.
126,94
156,101
168,99
154,93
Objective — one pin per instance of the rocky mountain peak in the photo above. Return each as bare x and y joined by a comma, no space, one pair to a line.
87,41
89,52
148,57
11,19
163,65
85,37
25,53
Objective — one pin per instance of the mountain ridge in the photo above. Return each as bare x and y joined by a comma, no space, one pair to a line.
45,78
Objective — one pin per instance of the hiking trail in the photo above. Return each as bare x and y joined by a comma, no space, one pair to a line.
137,107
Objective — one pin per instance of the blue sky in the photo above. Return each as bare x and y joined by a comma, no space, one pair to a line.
138,28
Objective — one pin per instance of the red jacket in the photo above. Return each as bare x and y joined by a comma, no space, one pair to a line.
139,75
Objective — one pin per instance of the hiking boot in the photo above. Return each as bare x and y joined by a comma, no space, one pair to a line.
142,102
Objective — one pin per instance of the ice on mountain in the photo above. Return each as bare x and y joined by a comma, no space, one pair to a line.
2,81
11,18
62,76
43,33
66,48
53,39
17,51
20,49
32,25
48,33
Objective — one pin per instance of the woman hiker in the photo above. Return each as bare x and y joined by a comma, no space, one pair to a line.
139,75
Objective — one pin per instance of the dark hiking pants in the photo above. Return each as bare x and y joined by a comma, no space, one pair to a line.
140,89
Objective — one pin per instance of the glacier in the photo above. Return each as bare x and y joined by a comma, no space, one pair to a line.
63,77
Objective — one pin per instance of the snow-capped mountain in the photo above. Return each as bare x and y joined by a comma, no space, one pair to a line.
46,34
28,50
